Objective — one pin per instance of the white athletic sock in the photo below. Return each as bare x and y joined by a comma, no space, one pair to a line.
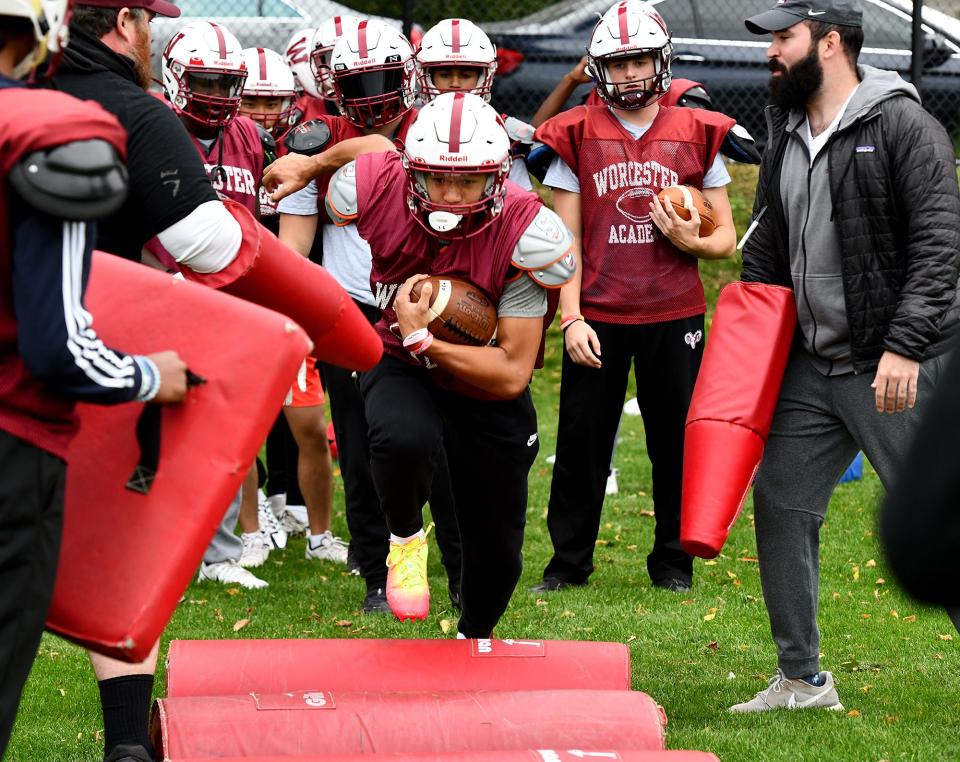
277,503
317,539
404,540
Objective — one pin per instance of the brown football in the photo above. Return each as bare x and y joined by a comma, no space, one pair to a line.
459,311
683,197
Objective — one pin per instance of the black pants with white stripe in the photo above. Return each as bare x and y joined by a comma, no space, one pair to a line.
32,485
490,447
666,358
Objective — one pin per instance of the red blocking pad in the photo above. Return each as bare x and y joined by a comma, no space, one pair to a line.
524,755
228,667
732,409
270,273
126,556
303,722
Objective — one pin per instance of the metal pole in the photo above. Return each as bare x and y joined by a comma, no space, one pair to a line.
407,17
916,60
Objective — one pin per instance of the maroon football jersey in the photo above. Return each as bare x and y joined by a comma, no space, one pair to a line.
29,408
342,129
235,162
403,248
631,273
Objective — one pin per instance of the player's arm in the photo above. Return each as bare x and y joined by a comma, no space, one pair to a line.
580,340
503,370
298,219
685,234
543,255
292,172
553,103
55,333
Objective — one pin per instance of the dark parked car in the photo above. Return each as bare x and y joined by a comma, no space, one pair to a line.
711,45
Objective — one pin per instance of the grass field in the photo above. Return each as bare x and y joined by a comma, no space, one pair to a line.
897,664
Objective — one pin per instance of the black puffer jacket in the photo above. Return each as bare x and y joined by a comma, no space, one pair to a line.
898,221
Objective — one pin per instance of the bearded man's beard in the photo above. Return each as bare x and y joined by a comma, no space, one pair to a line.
796,86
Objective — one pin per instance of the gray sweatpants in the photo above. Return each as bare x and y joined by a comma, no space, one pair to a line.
225,543
821,422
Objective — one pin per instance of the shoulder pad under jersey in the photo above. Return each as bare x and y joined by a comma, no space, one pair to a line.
545,250
268,142
739,145
308,138
696,97
341,198
518,131
82,180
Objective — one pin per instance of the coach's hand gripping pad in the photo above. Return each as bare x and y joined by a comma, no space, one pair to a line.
732,409
127,557
259,725
271,274
232,667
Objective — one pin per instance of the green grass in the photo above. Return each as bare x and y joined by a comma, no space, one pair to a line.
897,664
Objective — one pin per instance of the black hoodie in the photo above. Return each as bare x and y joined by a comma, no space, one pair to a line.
167,177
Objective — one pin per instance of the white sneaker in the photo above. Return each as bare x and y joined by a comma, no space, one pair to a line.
292,524
255,550
785,693
612,486
273,532
329,548
229,572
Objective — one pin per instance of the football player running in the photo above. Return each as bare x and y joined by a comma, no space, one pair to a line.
453,212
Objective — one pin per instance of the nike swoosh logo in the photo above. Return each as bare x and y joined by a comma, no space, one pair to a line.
815,13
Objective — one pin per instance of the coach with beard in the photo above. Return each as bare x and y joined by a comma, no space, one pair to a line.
857,211
170,197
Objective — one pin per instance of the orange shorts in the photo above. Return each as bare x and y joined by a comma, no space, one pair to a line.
313,394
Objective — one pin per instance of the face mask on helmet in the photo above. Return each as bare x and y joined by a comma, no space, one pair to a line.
629,55
634,81
204,73
449,50
324,39
50,20
457,158
269,92
377,96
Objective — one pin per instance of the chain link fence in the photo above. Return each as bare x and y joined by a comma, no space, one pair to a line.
541,40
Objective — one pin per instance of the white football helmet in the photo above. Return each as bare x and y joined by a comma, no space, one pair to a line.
373,74
50,19
627,30
268,76
456,134
456,42
297,56
324,39
203,73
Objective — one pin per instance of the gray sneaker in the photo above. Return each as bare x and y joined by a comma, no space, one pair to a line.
785,693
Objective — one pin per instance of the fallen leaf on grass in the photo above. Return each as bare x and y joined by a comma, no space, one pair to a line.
856,573
344,623
233,591
731,575
853,713
713,645
62,692
894,614
911,618
649,514
748,559
240,624
865,616
866,688
945,637
568,613
218,615
870,564
445,626
711,616
880,581
711,562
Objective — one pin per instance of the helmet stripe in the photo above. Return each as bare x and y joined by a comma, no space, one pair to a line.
455,117
456,35
362,39
221,40
337,26
263,63
622,18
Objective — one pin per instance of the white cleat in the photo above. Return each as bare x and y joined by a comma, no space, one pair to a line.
230,573
329,548
255,550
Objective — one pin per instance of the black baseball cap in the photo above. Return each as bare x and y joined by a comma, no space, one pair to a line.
160,7
790,12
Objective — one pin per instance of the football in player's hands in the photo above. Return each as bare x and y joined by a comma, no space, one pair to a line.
685,197
460,312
